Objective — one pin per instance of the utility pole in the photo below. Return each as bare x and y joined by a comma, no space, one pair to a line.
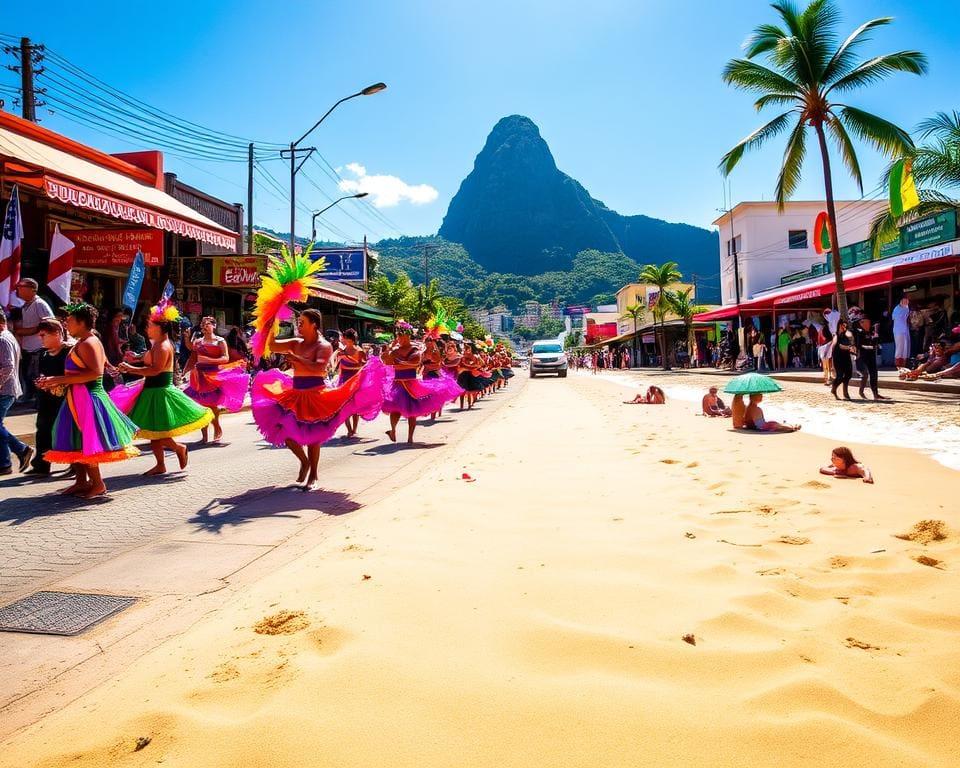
427,247
26,80
250,248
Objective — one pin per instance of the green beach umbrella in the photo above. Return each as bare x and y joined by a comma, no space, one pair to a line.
751,384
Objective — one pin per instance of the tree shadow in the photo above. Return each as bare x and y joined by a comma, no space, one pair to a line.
269,502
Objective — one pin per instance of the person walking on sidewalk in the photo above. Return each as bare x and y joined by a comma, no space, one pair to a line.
34,310
868,343
901,332
844,351
53,358
10,390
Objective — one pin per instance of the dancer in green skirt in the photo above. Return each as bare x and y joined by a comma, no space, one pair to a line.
154,404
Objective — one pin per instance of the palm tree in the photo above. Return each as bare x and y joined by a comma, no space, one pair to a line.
397,297
807,72
685,309
936,162
662,276
634,312
428,300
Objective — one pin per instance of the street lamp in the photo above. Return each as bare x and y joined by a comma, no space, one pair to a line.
368,91
313,220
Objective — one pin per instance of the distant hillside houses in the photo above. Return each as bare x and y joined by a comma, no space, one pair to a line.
499,319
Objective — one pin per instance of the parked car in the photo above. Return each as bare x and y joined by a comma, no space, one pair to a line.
547,356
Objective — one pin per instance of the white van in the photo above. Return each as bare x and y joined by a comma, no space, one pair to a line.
547,356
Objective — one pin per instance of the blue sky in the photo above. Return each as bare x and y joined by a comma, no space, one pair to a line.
627,94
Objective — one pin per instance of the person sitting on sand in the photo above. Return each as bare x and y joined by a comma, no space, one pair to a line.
754,418
842,464
936,361
654,396
713,405
739,412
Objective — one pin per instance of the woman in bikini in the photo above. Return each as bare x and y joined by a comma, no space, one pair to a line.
653,396
89,430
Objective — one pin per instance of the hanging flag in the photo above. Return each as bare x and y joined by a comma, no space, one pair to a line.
903,190
10,251
168,290
60,271
131,291
821,233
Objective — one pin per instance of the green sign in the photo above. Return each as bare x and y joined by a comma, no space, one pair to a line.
930,231
858,253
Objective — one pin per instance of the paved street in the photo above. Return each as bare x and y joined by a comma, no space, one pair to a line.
45,537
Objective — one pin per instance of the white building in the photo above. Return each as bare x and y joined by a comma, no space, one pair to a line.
494,321
770,245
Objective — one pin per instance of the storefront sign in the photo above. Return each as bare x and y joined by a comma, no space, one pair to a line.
116,247
238,271
929,231
342,264
126,211
927,255
813,293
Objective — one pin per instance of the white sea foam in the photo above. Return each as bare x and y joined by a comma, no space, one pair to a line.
938,439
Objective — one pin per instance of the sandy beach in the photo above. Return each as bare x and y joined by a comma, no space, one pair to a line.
612,585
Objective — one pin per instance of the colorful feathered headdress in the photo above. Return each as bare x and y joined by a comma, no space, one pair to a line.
438,325
402,326
288,278
164,312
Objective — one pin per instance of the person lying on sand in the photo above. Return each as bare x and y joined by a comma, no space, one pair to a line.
754,418
843,465
654,396
713,405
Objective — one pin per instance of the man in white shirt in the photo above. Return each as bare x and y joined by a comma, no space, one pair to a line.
34,310
901,332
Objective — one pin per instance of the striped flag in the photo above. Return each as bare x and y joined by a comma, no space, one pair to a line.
10,250
60,271
903,190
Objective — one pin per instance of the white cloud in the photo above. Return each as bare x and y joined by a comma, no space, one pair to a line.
386,191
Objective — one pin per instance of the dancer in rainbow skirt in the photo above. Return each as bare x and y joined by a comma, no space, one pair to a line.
215,381
89,430
160,410
408,396
351,360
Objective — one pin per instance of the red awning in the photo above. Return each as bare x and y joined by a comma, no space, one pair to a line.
83,177
721,313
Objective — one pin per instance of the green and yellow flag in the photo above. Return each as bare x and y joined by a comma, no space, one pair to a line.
903,192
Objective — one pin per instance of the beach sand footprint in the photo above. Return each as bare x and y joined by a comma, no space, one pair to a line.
815,484
932,562
796,540
852,642
925,532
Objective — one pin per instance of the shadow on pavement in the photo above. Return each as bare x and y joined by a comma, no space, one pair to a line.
269,502
388,448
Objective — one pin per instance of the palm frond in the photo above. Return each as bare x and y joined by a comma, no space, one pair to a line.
750,76
764,38
938,164
882,134
754,141
944,125
775,98
878,68
843,60
792,168
847,152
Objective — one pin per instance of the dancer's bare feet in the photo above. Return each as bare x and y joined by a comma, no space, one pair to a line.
93,491
218,435
302,475
392,434
160,469
76,489
182,456
204,439
312,483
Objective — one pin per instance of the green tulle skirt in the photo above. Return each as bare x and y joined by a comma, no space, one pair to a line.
161,410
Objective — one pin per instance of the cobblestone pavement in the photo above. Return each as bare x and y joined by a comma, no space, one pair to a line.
45,537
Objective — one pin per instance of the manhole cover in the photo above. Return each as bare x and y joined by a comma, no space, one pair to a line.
59,613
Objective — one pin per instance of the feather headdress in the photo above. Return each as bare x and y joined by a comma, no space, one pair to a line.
288,278
438,325
164,312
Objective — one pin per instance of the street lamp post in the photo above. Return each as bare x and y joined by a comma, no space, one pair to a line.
313,220
295,148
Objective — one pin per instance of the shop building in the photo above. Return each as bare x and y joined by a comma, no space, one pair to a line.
110,206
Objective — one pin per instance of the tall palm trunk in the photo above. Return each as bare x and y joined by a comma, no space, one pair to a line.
636,363
832,216
663,346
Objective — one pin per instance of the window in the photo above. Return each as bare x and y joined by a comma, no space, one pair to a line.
735,247
798,239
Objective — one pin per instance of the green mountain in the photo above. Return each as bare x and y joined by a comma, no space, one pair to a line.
516,212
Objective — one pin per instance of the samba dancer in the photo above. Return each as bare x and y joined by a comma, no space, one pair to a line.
216,381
